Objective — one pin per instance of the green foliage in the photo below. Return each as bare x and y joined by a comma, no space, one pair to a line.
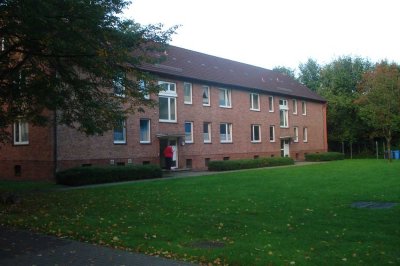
276,216
325,156
339,80
106,174
379,99
62,55
248,163
310,74
285,70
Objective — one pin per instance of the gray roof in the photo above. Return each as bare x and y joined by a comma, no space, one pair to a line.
190,65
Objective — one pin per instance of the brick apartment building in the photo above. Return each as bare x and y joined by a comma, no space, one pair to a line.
211,109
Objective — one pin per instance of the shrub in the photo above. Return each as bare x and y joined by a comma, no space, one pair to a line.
325,156
106,174
248,163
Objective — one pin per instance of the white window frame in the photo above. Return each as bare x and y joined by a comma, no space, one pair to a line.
119,84
143,87
305,134
189,135
187,98
169,88
171,106
148,131
294,102
208,134
22,128
271,104
228,136
169,93
254,102
123,134
272,137
283,113
207,90
303,107
227,98
255,127
296,134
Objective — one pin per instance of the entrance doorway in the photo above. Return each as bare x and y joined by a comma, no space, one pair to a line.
285,148
173,142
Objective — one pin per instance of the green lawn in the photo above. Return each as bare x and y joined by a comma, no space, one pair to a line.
295,215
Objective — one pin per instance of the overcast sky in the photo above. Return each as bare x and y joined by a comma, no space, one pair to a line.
271,33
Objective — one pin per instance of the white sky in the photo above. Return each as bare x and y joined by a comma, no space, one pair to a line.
271,33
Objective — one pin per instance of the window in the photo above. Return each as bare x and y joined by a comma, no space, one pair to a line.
271,103
168,88
3,46
272,133
145,131
143,89
206,96
283,113
225,132
21,133
189,132
255,133
187,91
296,134
120,133
119,84
207,132
303,108
167,106
167,102
294,106
305,134
254,102
225,98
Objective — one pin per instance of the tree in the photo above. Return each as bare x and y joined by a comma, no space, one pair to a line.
380,99
66,55
310,74
339,80
285,70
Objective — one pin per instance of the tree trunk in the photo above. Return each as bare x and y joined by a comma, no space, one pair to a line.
351,150
388,141
343,147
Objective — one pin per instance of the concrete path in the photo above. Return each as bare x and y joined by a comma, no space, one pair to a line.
20,248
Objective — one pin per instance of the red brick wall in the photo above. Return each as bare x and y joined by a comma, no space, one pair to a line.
35,159
75,149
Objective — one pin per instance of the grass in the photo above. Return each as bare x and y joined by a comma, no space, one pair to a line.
295,215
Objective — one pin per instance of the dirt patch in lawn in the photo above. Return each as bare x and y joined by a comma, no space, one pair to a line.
373,205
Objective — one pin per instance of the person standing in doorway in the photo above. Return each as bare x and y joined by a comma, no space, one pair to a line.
168,154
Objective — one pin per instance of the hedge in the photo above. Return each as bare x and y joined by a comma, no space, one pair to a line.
325,156
80,176
248,163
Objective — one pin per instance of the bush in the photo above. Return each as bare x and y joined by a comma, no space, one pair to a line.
325,156
79,176
248,163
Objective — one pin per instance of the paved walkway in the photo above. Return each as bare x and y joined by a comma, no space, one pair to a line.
20,248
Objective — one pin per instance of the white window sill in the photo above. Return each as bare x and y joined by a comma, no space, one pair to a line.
167,121
21,143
